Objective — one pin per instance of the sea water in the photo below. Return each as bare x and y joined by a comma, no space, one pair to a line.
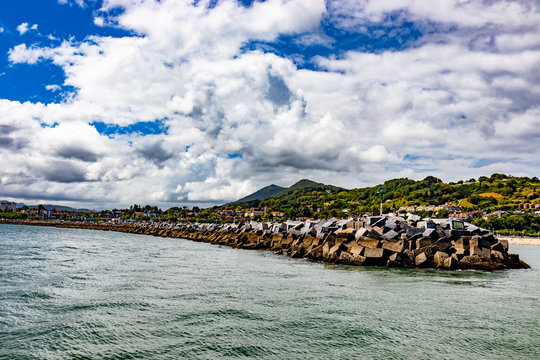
84,294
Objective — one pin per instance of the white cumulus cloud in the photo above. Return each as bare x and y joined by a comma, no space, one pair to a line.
25,27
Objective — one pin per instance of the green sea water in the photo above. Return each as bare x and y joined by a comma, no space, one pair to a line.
83,294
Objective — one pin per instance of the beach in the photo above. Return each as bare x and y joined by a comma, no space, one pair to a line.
521,240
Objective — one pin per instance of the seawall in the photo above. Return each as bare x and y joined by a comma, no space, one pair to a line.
372,241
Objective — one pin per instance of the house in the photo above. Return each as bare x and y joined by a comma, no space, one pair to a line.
252,213
55,214
529,206
495,214
7,206
466,215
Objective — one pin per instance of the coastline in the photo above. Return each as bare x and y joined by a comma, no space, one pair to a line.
521,240
372,241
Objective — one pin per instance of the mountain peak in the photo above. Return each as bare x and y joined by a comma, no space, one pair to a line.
262,194
275,190
306,183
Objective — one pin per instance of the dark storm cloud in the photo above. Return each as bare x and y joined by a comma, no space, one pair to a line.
6,142
333,161
155,153
74,152
7,129
278,92
64,172
11,143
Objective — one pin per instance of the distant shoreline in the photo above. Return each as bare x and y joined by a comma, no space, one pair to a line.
521,240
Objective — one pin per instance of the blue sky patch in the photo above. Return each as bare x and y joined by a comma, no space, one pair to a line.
44,125
235,156
332,41
479,163
155,127
23,82
411,158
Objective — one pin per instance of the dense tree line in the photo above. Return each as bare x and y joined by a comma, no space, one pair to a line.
512,223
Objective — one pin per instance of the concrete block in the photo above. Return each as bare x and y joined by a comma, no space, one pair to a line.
395,260
393,246
482,252
390,235
361,233
421,260
499,247
349,259
477,241
412,231
355,249
451,263
439,258
373,252
423,242
369,243
498,256
431,233
371,220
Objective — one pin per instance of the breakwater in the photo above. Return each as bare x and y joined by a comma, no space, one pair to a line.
410,242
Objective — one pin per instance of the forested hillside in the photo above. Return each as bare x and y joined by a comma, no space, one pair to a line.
497,192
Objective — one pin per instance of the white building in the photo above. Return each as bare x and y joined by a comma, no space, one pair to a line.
6,206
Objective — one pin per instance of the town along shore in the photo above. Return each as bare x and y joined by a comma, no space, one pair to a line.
411,242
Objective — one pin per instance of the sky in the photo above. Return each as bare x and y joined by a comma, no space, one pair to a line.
108,103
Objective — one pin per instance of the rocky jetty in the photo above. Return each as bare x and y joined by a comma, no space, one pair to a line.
410,242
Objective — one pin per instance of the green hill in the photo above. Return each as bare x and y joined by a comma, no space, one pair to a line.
262,194
309,198
308,184
273,191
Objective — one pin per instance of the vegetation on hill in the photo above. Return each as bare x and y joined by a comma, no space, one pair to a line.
510,223
488,194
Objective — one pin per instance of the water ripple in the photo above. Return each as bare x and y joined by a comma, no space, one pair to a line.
81,294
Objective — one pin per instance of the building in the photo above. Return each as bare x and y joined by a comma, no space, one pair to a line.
253,213
466,215
529,206
495,214
446,207
7,206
